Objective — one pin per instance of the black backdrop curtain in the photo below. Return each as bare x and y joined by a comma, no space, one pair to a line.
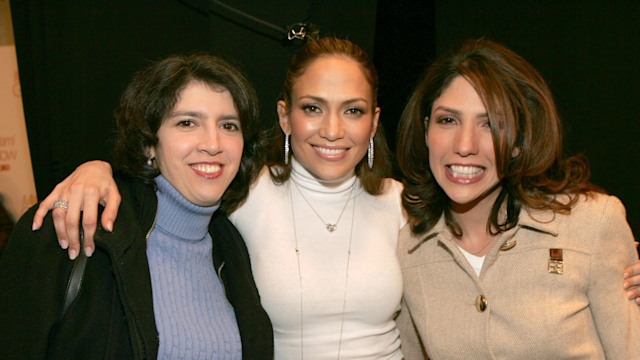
76,58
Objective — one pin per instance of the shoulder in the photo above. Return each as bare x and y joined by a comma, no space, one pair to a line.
594,209
390,188
393,186
591,208
595,219
599,203
263,192
264,180
24,241
221,224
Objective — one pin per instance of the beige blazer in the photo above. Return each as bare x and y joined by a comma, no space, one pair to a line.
527,303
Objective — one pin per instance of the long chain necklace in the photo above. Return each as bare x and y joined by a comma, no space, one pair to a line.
346,274
330,227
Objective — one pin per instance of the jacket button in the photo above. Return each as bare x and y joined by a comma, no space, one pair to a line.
508,245
481,303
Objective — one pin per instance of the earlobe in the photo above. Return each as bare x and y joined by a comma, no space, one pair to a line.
515,153
426,130
150,152
376,119
283,116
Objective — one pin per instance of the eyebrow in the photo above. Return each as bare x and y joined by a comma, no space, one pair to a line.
456,112
322,100
197,114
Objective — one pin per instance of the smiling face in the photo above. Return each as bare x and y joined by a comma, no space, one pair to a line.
331,117
200,144
461,151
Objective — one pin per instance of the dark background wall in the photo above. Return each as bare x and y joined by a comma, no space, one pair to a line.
76,58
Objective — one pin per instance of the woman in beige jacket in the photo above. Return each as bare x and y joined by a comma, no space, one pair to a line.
511,252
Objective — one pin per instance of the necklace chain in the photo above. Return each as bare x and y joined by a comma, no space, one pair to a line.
346,275
329,226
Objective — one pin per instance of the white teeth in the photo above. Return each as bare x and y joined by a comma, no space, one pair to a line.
209,169
465,171
328,151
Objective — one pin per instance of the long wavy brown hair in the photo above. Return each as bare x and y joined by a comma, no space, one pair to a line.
524,121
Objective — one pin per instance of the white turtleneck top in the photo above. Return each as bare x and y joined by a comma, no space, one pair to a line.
317,305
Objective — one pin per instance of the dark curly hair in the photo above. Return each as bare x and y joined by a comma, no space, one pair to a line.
152,94
523,120
330,46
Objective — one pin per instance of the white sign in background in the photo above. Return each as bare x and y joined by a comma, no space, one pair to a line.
17,186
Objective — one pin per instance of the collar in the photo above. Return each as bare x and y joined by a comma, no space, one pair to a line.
304,179
528,219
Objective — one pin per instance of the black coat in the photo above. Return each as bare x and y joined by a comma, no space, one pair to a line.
112,316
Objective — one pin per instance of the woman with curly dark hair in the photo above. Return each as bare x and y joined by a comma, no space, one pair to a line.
510,252
173,279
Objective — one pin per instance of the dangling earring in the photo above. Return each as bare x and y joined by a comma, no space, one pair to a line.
150,161
286,149
370,153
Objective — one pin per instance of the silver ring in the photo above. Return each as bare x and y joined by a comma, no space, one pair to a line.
62,204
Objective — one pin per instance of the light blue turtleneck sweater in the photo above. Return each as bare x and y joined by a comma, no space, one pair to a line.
193,316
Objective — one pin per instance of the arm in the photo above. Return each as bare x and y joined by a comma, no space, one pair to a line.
89,185
617,319
33,275
410,342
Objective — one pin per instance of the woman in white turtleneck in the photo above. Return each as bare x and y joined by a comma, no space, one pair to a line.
322,222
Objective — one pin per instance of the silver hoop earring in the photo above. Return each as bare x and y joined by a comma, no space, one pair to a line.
370,153
286,149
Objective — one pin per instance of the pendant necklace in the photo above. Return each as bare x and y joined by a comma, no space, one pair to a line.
330,228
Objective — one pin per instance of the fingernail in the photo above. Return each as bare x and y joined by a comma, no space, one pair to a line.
64,244
630,295
626,275
33,227
88,251
109,226
73,254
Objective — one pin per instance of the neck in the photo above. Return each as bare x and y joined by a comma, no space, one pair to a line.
473,219
297,169
474,216
306,180
178,216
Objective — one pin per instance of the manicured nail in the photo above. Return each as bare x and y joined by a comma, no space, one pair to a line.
88,251
33,227
64,244
73,254
109,226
